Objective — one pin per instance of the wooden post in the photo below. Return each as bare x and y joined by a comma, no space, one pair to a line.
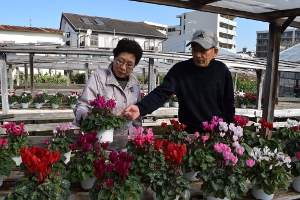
151,75
31,61
86,69
11,78
259,75
235,80
143,79
68,77
271,77
18,76
26,76
4,89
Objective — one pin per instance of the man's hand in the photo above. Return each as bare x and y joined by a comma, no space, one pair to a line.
84,115
130,113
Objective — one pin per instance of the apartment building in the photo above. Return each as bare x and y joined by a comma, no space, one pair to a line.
289,38
223,25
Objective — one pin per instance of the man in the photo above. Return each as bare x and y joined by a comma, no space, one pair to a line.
202,84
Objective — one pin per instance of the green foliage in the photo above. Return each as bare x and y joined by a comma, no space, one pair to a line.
13,98
6,162
223,183
53,188
78,78
97,122
15,142
81,166
246,86
130,188
168,183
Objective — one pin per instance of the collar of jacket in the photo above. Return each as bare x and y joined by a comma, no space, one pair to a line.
111,79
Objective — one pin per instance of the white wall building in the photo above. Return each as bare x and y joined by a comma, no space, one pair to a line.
180,35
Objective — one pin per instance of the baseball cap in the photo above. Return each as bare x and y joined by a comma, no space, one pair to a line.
206,38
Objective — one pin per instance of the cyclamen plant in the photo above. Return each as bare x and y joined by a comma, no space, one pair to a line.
72,98
87,150
113,180
225,144
267,169
41,97
17,137
39,181
101,117
25,97
5,158
141,146
167,179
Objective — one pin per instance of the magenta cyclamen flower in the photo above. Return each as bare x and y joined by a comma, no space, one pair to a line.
3,142
113,156
250,162
109,182
297,155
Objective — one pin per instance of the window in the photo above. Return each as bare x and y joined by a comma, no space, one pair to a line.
98,21
85,20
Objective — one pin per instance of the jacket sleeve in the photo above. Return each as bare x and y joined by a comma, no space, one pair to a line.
89,93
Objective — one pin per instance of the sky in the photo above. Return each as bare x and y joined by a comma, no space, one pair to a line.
47,14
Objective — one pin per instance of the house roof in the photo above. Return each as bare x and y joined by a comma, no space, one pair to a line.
111,26
30,29
291,54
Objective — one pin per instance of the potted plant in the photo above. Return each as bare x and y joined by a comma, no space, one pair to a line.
267,171
267,165
174,100
113,180
72,98
56,100
61,142
40,98
167,180
141,146
25,99
17,137
86,151
241,100
12,98
39,181
101,118
226,178
143,95
295,171
5,159
197,157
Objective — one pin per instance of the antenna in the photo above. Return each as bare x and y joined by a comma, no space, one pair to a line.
89,32
30,23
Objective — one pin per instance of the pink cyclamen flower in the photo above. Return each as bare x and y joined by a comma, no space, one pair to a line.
204,138
76,132
250,162
240,150
196,134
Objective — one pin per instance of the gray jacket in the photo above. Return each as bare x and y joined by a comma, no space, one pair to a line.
103,82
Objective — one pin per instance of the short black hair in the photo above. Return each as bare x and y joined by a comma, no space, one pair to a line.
129,46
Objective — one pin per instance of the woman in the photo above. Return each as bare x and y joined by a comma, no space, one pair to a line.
117,82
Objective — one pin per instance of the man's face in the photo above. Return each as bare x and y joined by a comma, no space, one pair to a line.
201,56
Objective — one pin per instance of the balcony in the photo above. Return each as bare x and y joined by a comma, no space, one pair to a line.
227,31
228,21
